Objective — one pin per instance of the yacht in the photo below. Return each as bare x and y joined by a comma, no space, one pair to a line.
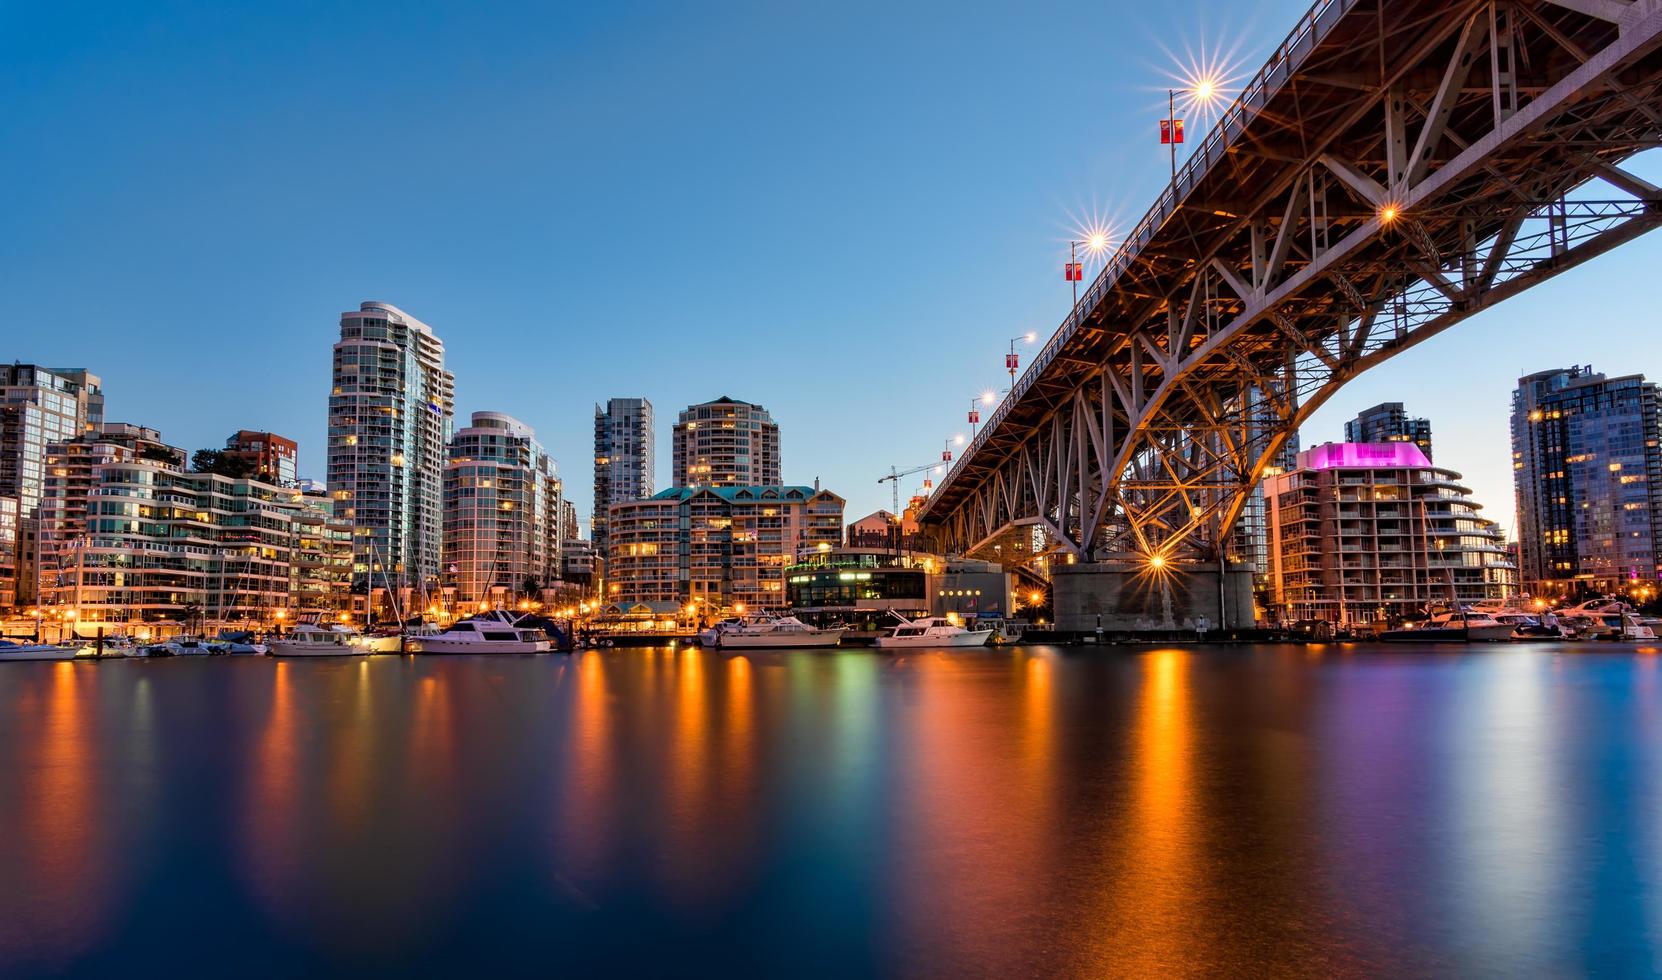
37,651
927,633
494,632
1605,618
313,641
782,632
1454,626
1526,624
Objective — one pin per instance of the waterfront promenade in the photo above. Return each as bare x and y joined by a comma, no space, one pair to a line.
1318,811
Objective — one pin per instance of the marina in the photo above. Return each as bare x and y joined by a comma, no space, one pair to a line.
837,813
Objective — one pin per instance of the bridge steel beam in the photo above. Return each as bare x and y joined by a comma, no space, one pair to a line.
1332,220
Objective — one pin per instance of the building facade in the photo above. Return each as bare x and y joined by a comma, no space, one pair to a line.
139,542
726,443
717,548
1389,422
1587,470
624,460
1373,533
266,455
38,406
321,561
502,506
390,417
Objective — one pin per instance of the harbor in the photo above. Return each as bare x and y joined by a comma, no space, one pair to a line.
837,813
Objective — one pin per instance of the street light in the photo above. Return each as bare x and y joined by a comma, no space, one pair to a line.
1095,242
1011,360
1199,93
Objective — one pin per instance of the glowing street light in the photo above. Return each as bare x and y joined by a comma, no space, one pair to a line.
1095,242
1200,92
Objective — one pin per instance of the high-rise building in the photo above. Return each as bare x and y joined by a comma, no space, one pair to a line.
38,406
717,547
623,460
1249,542
1587,467
726,443
391,412
1372,532
502,504
1389,422
265,455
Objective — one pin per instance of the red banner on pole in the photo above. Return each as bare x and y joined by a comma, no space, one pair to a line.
1073,271
1171,131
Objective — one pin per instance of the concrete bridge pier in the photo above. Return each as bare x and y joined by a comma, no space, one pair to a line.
1133,597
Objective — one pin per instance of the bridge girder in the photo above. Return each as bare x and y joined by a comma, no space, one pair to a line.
1482,157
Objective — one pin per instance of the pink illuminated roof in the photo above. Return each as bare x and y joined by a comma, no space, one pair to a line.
1363,455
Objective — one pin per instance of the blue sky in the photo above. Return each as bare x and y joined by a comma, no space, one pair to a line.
841,211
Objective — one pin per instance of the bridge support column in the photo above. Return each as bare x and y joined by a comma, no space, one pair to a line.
1131,598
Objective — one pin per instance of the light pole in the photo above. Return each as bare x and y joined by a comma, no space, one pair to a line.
1200,92
1012,360
1095,243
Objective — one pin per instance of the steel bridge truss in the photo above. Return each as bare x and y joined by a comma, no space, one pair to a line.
1484,157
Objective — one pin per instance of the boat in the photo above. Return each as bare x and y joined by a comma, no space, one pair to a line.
37,651
493,632
927,633
314,641
775,633
1457,626
190,646
1526,624
1605,618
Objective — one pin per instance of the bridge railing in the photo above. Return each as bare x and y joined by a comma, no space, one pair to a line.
1255,95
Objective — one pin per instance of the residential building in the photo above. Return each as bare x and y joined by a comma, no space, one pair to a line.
624,460
717,547
38,406
321,562
1373,533
1587,468
141,542
390,417
1389,422
502,507
1249,543
266,455
726,443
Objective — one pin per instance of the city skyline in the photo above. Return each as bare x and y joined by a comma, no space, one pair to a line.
916,278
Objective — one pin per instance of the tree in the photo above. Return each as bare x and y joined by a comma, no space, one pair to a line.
221,463
531,588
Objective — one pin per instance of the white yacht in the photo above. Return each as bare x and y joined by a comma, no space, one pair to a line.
777,633
37,651
1605,618
494,632
931,633
313,641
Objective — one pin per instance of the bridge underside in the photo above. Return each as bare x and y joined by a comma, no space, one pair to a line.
1398,167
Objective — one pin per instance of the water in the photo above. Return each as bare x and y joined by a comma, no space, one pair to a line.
1288,811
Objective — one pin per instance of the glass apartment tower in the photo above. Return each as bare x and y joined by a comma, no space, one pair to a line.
623,459
38,406
391,412
1588,474
1389,422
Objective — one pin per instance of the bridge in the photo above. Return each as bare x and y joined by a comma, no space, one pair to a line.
1395,167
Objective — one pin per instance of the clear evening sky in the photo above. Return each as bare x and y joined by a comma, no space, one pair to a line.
842,211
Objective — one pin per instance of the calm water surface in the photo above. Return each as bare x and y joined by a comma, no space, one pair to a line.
1286,811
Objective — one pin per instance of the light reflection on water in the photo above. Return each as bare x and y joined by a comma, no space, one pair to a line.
1136,811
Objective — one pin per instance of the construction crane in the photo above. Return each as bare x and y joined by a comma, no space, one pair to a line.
895,476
